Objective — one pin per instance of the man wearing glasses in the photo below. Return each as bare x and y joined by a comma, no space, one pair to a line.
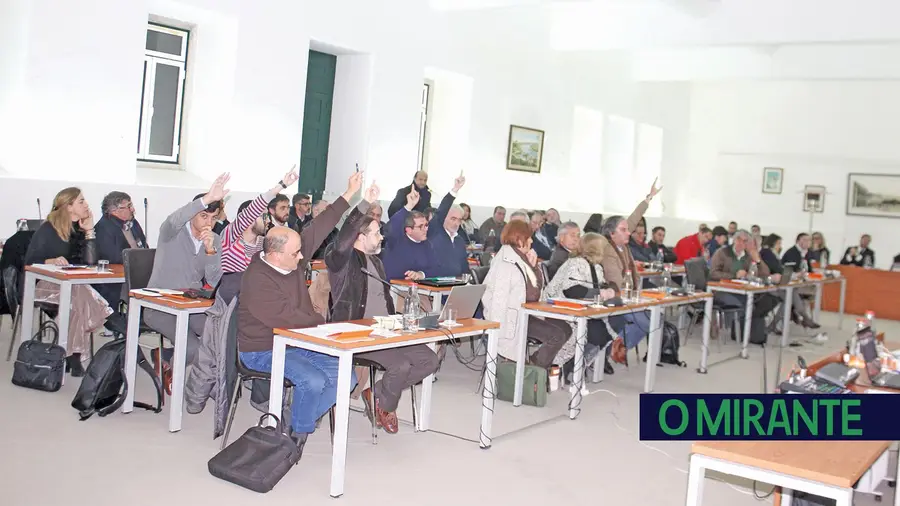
301,212
117,230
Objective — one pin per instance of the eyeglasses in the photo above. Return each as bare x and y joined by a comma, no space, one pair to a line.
420,227
304,204
130,207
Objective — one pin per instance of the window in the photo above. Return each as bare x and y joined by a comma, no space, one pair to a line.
423,121
159,128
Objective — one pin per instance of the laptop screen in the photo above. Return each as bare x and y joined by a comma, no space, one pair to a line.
869,349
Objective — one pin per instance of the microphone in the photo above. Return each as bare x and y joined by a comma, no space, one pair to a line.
602,286
40,215
393,288
146,225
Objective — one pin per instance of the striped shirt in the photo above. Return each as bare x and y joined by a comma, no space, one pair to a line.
236,254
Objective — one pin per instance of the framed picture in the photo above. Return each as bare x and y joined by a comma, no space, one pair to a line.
526,149
873,195
814,199
772,179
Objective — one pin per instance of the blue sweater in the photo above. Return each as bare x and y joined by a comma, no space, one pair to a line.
403,254
451,257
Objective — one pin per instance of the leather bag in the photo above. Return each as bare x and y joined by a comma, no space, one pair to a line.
258,459
40,365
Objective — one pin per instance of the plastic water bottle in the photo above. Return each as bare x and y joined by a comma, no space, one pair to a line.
870,317
411,311
660,258
804,269
753,273
867,261
823,260
627,287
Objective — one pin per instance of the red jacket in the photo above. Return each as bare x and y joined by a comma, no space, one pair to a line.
687,248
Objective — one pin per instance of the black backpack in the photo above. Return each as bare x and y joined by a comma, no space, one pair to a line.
670,343
103,388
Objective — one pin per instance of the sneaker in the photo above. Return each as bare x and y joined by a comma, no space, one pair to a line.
821,338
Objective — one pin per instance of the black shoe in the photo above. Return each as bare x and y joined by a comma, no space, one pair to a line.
608,368
73,365
300,439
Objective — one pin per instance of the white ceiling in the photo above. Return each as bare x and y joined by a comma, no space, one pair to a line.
723,39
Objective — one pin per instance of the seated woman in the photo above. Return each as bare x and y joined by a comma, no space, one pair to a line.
513,279
581,276
818,251
68,237
468,226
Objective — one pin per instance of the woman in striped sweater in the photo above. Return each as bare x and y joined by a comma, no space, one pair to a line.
243,237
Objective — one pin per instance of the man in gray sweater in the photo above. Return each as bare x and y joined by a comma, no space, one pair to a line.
187,256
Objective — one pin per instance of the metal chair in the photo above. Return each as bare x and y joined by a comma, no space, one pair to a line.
479,273
14,302
246,374
373,367
697,273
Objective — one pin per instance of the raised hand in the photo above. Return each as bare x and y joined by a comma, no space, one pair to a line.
354,184
87,223
459,182
372,193
653,189
217,191
412,198
414,275
291,177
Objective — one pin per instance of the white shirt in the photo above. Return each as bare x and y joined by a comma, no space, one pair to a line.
262,256
413,240
197,242
740,255
452,234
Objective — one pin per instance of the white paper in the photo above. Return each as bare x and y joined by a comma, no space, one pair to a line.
166,291
146,293
324,331
69,270
380,332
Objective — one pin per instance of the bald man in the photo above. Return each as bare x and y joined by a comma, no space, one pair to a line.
274,295
420,182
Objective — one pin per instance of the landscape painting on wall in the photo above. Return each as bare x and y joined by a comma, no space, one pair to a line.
873,195
526,149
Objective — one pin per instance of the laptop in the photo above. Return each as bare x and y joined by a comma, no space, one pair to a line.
869,348
464,299
786,275
442,282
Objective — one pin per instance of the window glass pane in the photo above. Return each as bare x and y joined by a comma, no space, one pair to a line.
141,113
165,100
164,42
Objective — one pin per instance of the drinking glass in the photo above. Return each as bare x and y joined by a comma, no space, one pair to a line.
410,322
102,265
689,288
451,316
627,295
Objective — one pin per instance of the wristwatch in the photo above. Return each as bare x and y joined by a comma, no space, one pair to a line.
282,184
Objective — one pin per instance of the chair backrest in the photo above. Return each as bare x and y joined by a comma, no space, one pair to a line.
696,271
479,273
11,288
546,272
138,265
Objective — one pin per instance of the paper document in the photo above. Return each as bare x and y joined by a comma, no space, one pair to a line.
146,293
324,331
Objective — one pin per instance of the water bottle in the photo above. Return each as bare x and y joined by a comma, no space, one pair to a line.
867,261
753,273
411,311
870,319
627,286
804,269
823,260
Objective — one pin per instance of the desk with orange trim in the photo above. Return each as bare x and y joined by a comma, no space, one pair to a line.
182,308
344,351
580,318
65,279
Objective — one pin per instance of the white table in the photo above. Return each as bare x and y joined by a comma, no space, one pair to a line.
580,318
344,352
65,279
182,310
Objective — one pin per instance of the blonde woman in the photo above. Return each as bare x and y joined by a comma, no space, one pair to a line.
818,251
68,237
578,276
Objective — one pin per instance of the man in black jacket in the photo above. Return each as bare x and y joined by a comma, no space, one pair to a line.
355,295
421,184
117,230
798,254
860,256
657,243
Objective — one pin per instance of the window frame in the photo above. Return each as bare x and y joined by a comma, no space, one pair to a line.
151,61
423,125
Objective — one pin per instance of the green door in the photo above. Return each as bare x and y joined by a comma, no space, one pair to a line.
316,123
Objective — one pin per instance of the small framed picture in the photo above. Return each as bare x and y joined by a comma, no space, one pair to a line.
526,149
814,199
772,179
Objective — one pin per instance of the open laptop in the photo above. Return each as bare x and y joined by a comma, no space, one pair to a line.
786,275
869,348
464,299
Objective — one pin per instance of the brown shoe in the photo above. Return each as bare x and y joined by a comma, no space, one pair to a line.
619,354
387,420
165,374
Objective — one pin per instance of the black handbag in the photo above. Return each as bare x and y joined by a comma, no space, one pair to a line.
258,459
40,365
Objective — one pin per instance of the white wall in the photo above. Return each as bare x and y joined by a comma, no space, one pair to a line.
818,131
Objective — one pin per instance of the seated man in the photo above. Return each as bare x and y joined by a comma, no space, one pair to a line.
735,262
860,256
552,222
568,238
187,256
274,294
771,248
376,212
117,230
639,249
491,229
719,238
300,214
541,244
658,243
409,254
355,296
798,255
419,186
278,213
317,209
692,246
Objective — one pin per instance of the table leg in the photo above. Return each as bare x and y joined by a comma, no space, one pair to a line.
65,306
276,381
27,318
696,479
489,392
845,498
424,418
841,308
707,327
600,362
817,306
653,347
748,318
341,422
522,330
132,338
787,496
578,373
785,332
178,368
897,485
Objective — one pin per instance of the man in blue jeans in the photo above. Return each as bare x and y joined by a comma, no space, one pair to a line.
274,295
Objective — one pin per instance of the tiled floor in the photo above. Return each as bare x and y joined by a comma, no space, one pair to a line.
50,458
